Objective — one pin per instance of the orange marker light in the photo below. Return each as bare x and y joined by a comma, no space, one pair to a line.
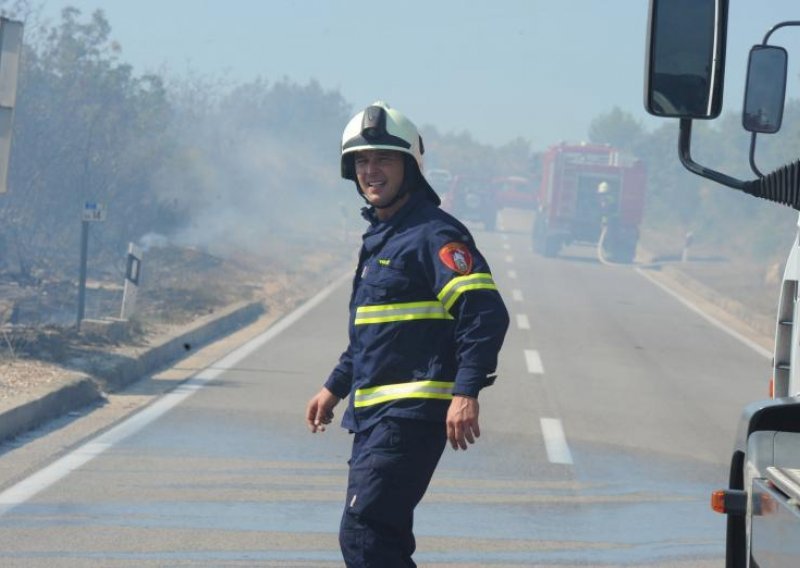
718,501
729,502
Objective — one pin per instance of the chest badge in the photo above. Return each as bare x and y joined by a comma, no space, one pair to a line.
456,257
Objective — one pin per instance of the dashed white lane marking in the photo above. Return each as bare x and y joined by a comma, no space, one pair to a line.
512,274
522,322
506,246
533,362
517,295
32,485
509,258
555,441
719,325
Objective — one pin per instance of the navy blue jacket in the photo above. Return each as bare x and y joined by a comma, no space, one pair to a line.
426,319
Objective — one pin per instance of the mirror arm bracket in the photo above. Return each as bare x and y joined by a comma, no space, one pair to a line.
781,186
776,27
685,154
753,165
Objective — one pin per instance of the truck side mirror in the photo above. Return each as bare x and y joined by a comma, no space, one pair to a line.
765,90
685,62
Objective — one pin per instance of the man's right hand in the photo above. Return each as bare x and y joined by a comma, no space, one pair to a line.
319,411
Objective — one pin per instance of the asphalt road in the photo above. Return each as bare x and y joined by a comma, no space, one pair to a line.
611,421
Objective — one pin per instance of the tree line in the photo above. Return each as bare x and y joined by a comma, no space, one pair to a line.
245,166
185,159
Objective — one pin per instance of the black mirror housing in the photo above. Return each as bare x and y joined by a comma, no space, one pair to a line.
765,90
685,61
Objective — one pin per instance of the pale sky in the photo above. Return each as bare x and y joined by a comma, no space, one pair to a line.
500,69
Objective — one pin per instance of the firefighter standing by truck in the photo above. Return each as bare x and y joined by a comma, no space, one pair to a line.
426,325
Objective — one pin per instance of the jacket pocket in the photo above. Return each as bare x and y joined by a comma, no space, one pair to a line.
383,282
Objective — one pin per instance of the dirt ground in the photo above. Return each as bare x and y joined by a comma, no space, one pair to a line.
748,288
179,285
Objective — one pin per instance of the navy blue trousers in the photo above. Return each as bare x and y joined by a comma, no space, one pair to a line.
390,468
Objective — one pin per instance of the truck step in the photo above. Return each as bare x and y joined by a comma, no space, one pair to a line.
787,480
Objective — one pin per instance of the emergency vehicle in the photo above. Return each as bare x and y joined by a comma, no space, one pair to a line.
684,80
515,192
588,191
472,198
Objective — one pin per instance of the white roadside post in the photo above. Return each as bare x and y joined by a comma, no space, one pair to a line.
132,273
10,49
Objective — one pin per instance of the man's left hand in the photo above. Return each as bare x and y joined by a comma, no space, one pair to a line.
462,421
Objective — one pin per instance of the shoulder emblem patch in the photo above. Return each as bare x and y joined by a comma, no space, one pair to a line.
456,257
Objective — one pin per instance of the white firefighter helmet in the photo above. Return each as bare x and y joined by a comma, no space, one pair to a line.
380,127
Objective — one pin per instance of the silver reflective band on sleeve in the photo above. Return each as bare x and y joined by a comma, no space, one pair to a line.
406,311
460,284
415,389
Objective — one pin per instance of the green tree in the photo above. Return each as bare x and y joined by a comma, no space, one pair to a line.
617,128
86,129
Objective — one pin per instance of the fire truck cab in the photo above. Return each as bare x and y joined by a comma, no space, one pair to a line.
589,191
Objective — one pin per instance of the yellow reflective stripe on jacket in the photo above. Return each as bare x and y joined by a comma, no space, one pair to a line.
416,389
406,311
460,284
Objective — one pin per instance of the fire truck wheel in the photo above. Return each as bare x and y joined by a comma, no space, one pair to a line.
624,252
552,246
538,235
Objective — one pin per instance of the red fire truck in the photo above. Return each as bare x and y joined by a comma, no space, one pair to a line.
589,192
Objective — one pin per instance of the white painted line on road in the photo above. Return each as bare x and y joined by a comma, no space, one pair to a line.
716,323
517,295
33,484
506,246
555,442
509,258
522,322
533,362
512,274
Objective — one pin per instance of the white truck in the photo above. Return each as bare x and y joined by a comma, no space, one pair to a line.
684,79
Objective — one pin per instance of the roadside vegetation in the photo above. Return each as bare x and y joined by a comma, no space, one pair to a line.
223,185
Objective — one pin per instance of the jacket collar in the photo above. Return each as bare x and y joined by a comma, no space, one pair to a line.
379,231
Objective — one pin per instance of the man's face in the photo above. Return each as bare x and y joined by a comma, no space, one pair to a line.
379,174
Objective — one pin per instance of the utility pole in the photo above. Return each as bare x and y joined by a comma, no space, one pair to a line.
91,212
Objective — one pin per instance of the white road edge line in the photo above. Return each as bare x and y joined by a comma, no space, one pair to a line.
512,274
555,441
517,295
716,323
533,362
522,322
26,489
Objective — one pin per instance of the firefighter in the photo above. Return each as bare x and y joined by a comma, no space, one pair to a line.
606,201
426,325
